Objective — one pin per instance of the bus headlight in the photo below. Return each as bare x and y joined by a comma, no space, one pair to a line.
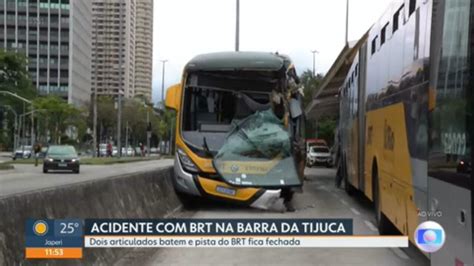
186,161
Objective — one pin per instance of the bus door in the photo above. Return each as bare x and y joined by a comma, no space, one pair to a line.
451,130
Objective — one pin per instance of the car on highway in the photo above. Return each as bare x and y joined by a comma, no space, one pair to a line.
128,151
103,150
319,155
61,157
464,166
315,142
22,152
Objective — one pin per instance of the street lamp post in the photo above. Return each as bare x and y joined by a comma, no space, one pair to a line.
148,132
16,96
22,118
94,119
119,125
237,25
94,126
126,139
121,89
314,61
347,22
163,81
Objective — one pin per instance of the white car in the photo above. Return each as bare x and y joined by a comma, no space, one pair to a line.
319,155
128,151
22,152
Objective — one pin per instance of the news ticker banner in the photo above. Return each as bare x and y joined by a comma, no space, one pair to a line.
66,238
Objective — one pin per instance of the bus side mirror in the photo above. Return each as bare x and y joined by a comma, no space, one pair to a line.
173,97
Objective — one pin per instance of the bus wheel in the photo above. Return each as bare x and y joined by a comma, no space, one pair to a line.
189,202
347,186
383,223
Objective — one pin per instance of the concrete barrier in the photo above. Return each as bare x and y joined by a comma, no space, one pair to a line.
139,195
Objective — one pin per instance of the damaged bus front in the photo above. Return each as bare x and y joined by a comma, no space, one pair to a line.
239,129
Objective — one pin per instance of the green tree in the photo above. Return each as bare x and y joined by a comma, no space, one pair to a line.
311,85
167,127
167,122
326,129
106,117
14,78
135,113
55,116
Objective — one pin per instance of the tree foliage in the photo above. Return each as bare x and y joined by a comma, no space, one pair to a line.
326,129
311,85
136,113
14,78
55,116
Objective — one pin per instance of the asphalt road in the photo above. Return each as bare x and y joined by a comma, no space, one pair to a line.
319,200
25,178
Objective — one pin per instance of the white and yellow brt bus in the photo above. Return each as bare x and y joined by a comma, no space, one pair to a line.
406,121
217,91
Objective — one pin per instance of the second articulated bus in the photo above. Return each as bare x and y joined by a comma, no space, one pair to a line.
406,121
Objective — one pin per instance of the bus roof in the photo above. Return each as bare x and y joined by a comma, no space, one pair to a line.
227,61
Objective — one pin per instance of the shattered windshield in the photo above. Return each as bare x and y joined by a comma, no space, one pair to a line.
258,153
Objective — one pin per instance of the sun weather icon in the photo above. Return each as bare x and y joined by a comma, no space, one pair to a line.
40,228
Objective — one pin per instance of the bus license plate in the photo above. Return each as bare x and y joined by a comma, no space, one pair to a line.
226,190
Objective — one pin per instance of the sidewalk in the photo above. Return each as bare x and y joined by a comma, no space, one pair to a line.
5,156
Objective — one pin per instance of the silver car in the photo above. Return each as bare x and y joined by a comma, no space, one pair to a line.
319,155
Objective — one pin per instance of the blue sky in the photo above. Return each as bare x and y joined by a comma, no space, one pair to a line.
185,28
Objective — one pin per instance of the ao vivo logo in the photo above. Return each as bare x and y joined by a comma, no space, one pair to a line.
430,236
430,213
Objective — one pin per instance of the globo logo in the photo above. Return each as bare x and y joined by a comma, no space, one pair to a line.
430,236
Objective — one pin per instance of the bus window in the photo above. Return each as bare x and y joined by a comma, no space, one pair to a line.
395,22
374,45
383,34
210,113
412,7
450,131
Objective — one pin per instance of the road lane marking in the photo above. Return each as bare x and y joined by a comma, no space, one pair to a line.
343,202
371,226
356,212
400,253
